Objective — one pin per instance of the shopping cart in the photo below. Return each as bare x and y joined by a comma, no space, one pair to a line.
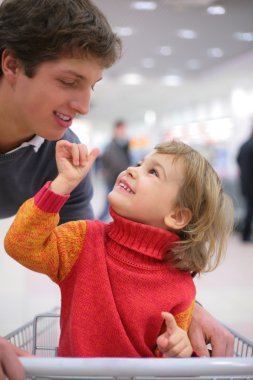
40,337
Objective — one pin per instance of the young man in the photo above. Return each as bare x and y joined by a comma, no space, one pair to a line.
52,55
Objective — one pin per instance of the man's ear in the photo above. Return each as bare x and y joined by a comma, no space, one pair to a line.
178,219
10,65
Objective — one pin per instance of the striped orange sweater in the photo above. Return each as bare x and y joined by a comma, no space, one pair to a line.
114,278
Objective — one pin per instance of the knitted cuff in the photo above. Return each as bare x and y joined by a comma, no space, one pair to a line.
48,201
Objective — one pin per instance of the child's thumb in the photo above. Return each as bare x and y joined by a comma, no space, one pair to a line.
170,321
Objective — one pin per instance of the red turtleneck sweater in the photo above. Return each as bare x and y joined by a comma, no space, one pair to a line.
114,278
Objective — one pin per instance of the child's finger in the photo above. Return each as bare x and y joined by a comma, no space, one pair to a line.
75,154
83,154
91,158
94,154
170,321
62,145
181,349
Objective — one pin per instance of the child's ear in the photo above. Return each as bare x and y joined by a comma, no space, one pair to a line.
178,219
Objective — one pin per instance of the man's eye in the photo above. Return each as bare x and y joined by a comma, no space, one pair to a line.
68,83
154,172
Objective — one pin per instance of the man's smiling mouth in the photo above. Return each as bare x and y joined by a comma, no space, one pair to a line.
62,116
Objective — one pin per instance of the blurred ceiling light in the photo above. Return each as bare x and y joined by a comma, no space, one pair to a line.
214,53
193,64
132,79
144,5
123,31
216,10
189,3
172,80
244,36
165,50
148,63
187,34
150,117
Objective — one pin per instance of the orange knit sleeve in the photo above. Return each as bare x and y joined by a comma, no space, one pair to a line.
35,241
184,318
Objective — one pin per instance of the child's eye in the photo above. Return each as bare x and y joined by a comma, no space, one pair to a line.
154,172
138,164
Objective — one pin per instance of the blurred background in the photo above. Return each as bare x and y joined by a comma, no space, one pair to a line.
186,72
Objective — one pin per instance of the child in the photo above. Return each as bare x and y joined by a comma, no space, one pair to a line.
171,219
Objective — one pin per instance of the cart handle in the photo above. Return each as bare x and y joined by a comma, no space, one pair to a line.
137,367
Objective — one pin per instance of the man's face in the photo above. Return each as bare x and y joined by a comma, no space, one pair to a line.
47,103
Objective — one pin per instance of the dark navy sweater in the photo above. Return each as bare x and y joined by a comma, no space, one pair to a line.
24,171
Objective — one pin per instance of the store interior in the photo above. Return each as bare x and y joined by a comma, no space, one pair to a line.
186,73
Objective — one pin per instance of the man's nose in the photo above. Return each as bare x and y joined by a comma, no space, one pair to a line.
81,104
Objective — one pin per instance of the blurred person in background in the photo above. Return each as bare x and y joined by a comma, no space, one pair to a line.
114,160
245,162
52,55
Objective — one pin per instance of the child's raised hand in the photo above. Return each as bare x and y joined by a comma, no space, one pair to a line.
174,342
73,163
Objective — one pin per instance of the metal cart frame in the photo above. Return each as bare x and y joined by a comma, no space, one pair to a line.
40,337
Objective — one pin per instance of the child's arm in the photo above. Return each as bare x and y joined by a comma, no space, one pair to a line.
174,342
34,240
73,163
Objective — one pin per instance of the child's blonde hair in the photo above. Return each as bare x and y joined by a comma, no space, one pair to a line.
205,237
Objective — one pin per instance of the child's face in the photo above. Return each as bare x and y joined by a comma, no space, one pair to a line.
147,193
47,103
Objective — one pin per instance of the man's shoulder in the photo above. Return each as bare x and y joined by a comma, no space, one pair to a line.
70,136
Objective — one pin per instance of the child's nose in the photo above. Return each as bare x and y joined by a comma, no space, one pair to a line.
132,171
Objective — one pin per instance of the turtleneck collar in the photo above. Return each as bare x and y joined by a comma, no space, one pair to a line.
140,238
